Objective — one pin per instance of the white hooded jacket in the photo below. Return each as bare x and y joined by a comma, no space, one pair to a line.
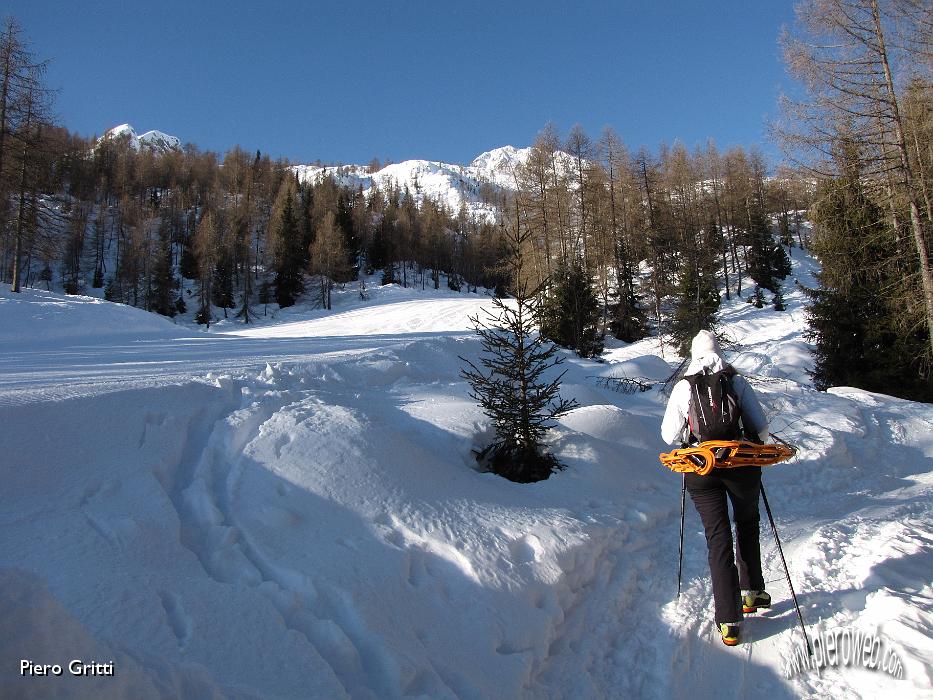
706,357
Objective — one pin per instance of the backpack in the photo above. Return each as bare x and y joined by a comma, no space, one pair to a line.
714,412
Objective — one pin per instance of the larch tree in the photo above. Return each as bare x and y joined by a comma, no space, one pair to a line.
328,256
29,117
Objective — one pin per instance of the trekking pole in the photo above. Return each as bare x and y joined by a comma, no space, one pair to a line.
783,442
680,561
777,540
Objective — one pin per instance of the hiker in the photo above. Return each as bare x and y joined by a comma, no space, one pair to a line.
713,402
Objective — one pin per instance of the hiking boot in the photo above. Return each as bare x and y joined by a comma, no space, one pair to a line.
730,633
752,600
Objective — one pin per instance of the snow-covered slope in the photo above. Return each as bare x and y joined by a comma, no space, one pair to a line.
291,511
154,141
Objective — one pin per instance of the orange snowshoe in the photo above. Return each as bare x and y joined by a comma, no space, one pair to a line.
725,454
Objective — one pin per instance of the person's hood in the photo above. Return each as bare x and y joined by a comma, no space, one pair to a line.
705,364
705,354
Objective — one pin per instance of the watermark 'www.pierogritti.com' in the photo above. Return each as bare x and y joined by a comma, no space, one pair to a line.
844,646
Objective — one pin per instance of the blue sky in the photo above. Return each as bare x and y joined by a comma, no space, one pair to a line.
346,82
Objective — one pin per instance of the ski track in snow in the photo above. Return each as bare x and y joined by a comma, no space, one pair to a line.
289,511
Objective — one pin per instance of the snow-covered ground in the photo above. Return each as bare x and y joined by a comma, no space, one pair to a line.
291,510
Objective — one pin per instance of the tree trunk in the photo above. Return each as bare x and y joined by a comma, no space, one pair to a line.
923,181
4,96
20,216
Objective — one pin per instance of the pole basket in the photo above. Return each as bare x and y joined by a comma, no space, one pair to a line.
725,454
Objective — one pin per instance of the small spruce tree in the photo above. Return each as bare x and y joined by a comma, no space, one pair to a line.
778,301
628,321
113,292
758,298
784,232
511,386
627,318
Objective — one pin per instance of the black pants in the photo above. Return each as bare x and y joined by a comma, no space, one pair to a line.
708,493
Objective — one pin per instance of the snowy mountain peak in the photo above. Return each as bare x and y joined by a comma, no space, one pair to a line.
123,131
154,141
455,186
159,141
501,160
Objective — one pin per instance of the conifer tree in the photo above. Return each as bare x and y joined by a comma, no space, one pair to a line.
697,292
98,279
767,261
778,301
628,321
24,114
188,266
757,299
854,56
854,322
289,253
784,230
570,315
511,386
162,291
222,283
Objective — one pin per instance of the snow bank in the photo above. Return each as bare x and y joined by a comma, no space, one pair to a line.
33,316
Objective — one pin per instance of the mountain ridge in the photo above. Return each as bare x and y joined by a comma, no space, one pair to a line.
155,141
473,187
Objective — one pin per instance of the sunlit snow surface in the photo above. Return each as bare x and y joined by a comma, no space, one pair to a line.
290,509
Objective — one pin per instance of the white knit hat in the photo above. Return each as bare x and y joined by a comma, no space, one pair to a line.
704,344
